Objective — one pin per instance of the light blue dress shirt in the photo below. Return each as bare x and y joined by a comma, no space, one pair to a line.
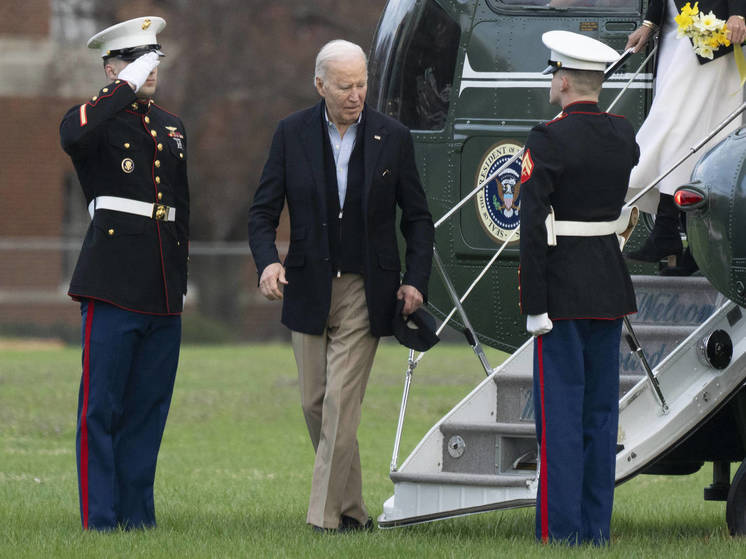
342,149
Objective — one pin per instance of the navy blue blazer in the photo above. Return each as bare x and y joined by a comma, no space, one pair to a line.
294,173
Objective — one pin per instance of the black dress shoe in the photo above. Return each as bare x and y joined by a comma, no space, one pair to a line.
686,266
320,530
349,524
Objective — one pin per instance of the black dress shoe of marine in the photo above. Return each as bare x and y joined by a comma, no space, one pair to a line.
349,524
685,267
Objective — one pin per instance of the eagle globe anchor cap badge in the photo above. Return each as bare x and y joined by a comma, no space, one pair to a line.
574,51
129,39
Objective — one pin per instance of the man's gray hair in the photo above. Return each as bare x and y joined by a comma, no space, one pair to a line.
337,49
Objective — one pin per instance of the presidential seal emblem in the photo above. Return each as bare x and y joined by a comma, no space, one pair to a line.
498,202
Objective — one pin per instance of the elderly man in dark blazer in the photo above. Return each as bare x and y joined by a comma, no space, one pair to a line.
343,168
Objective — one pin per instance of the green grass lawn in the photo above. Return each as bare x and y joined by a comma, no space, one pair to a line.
235,468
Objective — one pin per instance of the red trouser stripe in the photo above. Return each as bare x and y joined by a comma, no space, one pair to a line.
84,413
543,476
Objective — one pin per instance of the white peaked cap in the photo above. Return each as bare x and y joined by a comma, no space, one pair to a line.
136,32
576,52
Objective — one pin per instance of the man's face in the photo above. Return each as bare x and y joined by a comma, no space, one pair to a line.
149,87
344,89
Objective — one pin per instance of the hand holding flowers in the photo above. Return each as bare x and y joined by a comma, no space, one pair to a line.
707,32
736,29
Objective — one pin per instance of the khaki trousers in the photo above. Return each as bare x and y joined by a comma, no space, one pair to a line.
333,371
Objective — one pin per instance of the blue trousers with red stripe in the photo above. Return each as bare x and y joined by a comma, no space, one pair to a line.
129,367
576,399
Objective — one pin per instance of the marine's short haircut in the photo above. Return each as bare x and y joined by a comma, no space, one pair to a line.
585,82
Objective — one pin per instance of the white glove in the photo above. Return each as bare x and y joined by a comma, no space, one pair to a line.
538,324
138,71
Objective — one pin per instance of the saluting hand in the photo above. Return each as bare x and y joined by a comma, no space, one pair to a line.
638,38
272,280
412,298
137,72
736,29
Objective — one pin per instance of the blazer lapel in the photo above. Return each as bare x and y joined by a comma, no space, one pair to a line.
311,140
375,137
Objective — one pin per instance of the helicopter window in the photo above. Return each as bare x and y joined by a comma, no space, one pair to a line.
627,5
420,91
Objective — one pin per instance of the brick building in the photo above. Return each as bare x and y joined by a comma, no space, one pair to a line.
232,71
45,69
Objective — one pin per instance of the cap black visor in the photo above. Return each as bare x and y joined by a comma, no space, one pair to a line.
132,53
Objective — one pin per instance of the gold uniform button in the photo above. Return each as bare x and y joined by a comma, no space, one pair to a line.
158,180
157,163
153,133
134,106
111,232
160,195
105,90
94,98
181,156
147,120
160,147
118,81
126,145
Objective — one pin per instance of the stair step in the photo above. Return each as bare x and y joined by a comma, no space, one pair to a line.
674,301
522,430
514,377
485,480
657,342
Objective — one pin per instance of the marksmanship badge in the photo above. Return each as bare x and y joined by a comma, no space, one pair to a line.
498,203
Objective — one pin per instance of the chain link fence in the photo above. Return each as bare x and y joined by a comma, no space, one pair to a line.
223,303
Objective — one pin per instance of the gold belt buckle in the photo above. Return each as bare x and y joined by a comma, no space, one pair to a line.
160,212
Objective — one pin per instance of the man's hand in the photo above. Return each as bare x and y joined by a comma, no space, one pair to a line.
137,72
538,324
736,29
412,298
273,277
638,38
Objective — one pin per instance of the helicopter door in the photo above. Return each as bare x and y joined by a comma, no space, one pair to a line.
502,94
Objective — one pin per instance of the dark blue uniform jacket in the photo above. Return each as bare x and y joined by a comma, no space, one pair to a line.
130,149
579,164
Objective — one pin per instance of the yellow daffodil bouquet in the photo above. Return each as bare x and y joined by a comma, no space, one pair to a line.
707,32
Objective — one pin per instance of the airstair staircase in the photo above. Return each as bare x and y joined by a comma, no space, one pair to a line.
482,454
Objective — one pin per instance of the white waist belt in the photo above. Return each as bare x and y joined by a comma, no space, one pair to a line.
586,228
159,212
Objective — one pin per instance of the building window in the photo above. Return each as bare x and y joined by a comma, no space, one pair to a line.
73,21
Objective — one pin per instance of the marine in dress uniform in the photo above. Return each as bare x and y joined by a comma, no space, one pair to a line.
131,275
576,292
343,169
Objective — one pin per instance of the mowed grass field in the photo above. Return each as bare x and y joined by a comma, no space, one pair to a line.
235,467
